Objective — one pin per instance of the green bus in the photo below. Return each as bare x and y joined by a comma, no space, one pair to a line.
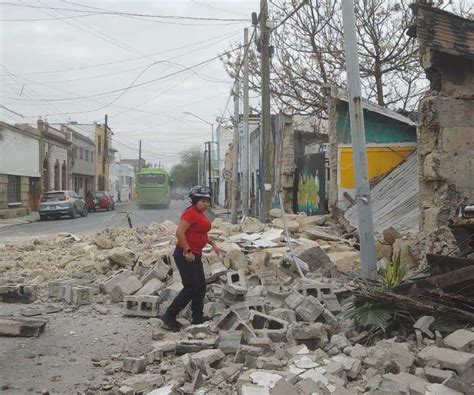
153,187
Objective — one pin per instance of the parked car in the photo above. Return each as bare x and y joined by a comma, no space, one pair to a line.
57,203
100,200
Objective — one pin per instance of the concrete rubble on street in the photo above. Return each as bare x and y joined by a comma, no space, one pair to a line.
271,332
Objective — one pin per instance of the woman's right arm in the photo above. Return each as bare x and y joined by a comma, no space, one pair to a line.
183,226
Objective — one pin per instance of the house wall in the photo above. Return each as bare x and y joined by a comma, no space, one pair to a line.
19,153
446,139
55,153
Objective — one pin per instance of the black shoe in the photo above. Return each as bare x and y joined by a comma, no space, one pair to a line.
201,320
171,323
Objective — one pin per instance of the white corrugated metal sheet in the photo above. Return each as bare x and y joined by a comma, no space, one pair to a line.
395,199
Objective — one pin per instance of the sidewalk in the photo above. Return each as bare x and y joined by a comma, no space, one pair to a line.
26,219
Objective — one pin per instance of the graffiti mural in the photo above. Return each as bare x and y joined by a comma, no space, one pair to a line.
310,185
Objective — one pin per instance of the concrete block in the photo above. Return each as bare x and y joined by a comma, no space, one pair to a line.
263,321
141,306
460,362
245,351
134,365
435,375
119,284
310,309
216,271
283,314
350,365
229,320
423,324
206,360
264,343
17,293
416,384
267,278
195,346
125,390
143,382
81,295
152,287
170,292
252,389
21,327
460,340
389,387
160,270
55,286
164,349
282,387
293,300
229,341
268,363
274,299
231,371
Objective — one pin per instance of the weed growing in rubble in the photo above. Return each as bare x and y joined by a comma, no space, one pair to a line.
395,273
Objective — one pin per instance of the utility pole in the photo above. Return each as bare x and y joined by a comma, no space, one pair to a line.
235,153
266,126
140,156
245,139
105,155
199,172
364,208
210,165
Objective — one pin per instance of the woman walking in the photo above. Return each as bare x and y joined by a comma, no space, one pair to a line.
192,234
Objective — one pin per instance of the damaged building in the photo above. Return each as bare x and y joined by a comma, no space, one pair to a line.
446,125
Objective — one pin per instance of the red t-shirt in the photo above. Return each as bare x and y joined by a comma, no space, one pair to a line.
196,235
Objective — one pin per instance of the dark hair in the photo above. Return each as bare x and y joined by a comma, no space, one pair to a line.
196,199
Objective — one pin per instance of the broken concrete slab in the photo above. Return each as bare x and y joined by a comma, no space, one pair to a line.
205,360
416,384
460,340
143,382
460,362
152,287
40,310
423,324
21,327
122,256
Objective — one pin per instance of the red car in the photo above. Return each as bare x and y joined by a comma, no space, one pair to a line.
100,200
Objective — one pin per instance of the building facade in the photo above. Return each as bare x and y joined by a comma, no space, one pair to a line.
82,162
20,175
105,154
121,181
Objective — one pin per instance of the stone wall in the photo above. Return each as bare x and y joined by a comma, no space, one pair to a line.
446,138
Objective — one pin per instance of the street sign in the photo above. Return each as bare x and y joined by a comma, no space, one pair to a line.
227,174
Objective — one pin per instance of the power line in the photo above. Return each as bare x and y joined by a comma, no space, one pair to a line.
130,59
118,13
133,86
304,2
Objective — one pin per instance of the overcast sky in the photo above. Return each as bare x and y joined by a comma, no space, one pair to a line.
74,65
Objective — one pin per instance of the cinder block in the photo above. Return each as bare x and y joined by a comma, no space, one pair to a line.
205,360
121,283
169,293
54,287
260,321
229,341
18,293
151,287
267,278
141,306
160,271
274,299
81,295
310,309
293,300
134,365
323,291
164,349
215,272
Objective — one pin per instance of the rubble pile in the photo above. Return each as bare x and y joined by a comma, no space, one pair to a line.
271,331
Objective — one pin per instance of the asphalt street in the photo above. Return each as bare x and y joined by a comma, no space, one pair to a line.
94,222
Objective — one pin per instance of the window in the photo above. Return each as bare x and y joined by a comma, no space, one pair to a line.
81,153
87,155
14,189
92,156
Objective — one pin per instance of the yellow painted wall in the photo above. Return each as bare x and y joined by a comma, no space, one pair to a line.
380,161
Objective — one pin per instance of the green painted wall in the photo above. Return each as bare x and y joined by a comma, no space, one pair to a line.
378,128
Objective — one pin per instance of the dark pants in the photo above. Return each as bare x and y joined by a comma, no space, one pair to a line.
194,286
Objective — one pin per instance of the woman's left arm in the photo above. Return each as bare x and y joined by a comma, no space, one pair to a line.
214,246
